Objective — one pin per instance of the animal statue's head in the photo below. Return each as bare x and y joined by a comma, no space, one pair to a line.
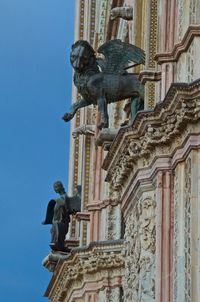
82,55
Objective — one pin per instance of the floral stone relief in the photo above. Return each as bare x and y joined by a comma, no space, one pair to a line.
139,281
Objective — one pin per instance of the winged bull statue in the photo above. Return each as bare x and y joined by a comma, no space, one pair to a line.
101,81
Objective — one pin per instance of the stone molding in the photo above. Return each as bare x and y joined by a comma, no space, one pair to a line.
149,75
100,263
153,134
164,163
83,216
173,56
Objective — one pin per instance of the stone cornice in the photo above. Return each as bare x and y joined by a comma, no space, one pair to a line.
98,261
149,75
134,146
144,179
192,32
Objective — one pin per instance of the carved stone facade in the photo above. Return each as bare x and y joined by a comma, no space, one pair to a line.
88,267
139,252
138,230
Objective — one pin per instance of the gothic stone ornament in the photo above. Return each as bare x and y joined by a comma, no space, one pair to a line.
153,133
102,81
139,252
99,263
58,214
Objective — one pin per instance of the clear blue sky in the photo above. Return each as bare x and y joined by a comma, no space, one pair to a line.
35,91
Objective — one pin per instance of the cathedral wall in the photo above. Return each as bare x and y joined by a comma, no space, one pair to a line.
138,231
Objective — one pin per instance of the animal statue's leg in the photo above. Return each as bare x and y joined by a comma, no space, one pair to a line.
102,106
77,105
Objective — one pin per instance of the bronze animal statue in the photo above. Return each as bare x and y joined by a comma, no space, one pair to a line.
101,81
58,214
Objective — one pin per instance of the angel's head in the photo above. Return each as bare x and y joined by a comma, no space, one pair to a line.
58,187
82,55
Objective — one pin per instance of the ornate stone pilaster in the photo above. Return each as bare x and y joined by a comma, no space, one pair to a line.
139,251
186,230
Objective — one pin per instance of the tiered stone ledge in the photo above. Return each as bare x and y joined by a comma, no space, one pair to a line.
154,135
173,56
99,265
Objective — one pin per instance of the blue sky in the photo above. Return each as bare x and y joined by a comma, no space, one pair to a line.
35,91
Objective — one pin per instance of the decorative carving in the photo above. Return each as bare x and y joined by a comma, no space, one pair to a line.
153,32
139,252
187,232
104,7
96,262
113,295
193,11
190,63
180,4
136,145
151,100
124,12
113,223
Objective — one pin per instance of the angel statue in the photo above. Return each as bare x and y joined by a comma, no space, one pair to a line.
101,81
58,214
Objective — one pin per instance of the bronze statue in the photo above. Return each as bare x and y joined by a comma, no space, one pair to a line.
58,214
102,81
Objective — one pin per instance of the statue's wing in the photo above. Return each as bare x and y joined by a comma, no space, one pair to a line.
118,54
50,212
101,63
74,202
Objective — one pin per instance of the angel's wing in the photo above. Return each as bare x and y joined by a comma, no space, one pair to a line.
74,202
50,212
118,54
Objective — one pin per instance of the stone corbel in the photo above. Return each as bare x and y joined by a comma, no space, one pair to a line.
83,216
84,130
106,137
124,12
98,205
50,261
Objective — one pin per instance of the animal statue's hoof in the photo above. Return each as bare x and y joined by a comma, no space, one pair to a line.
102,125
67,117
